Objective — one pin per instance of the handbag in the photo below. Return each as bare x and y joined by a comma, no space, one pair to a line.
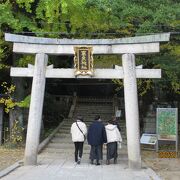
81,131
119,145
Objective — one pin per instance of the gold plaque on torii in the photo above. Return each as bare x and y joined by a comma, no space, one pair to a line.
83,61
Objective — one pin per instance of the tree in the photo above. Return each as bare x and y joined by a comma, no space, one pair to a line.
96,19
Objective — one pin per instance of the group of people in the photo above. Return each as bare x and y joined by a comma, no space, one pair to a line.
97,135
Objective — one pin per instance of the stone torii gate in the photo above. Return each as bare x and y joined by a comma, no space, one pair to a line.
43,47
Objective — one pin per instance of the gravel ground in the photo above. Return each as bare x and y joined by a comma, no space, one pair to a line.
9,156
167,168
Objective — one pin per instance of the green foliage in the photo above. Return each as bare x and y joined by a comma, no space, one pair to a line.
3,52
25,4
98,19
119,84
8,101
7,18
25,60
106,61
25,103
143,85
14,137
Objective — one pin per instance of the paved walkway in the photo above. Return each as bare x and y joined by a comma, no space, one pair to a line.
61,166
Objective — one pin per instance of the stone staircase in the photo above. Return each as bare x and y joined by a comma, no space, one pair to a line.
90,107
62,144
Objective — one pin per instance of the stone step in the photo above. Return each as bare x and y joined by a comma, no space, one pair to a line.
60,135
68,124
149,120
150,131
65,146
88,119
95,110
69,144
65,132
94,101
151,114
91,114
106,106
62,143
69,140
150,125
93,106
47,157
89,122
71,151
68,127
60,149
91,118
61,140
68,136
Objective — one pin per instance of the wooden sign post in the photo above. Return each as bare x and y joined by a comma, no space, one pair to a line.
83,61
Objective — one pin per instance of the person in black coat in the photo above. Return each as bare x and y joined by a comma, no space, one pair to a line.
96,138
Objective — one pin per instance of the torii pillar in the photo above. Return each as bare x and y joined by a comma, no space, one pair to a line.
131,111
35,111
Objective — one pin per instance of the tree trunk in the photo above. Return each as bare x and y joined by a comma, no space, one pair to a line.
17,113
1,123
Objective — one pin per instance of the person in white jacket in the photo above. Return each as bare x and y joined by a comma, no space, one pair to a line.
113,137
78,132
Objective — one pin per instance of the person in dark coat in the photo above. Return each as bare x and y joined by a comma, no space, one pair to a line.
96,137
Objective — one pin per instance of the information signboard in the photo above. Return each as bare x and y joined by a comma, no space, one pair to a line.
148,139
118,113
167,125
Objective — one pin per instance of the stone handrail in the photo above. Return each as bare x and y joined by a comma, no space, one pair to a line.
46,141
95,99
73,106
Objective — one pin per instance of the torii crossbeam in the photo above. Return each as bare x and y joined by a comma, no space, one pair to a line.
98,73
